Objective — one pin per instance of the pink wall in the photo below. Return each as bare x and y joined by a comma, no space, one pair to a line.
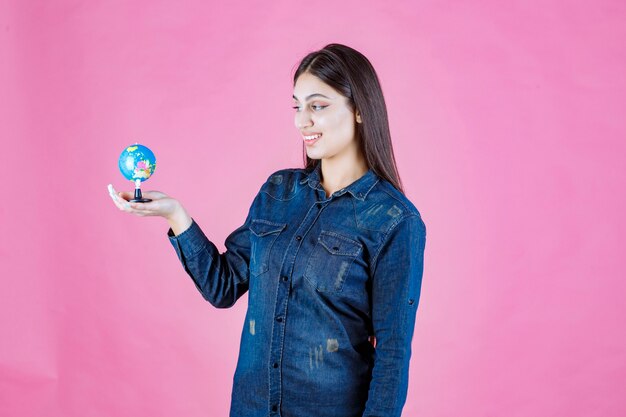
508,126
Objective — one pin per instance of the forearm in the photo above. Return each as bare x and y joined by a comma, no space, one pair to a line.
221,278
390,375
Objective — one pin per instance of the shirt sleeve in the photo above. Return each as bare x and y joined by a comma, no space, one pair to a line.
396,285
221,278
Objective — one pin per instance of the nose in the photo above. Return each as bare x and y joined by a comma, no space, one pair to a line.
303,119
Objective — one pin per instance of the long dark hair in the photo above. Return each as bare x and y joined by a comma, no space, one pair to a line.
350,73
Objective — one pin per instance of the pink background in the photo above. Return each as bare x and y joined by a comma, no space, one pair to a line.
508,126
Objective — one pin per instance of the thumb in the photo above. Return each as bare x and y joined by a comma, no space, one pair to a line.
126,195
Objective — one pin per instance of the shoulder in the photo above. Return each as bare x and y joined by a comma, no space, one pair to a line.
387,191
278,177
283,184
385,206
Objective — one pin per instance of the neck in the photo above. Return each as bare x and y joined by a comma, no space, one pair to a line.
336,175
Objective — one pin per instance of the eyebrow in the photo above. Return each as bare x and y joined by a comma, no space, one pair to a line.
313,95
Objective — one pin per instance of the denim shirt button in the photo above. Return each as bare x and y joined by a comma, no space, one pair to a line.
298,237
274,408
285,278
279,319
275,365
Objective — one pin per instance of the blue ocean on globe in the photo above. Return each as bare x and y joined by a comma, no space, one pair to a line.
137,162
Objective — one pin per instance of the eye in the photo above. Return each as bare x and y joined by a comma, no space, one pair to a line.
316,107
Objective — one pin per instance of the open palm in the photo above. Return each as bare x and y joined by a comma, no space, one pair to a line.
161,204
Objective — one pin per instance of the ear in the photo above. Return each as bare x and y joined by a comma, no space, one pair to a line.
358,117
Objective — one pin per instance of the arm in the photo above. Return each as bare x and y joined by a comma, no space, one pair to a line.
396,285
221,278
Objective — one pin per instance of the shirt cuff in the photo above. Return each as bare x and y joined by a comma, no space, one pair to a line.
189,242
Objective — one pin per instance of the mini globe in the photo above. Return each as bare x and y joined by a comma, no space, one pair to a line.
137,162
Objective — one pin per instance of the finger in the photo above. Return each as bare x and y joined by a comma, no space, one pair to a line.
149,208
126,195
141,206
119,202
153,194
138,210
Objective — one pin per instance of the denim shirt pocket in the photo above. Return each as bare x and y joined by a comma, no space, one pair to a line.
330,261
262,238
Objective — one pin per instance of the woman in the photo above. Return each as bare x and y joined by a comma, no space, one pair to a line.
331,254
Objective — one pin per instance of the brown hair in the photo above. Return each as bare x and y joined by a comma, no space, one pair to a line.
352,75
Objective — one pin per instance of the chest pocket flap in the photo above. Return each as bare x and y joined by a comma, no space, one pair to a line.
262,238
330,262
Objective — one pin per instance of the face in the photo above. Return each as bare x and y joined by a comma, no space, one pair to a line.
325,114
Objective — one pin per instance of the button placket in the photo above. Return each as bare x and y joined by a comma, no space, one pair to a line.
282,299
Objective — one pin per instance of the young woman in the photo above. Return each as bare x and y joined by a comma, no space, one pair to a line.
331,255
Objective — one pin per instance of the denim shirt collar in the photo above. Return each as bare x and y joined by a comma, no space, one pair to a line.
359,188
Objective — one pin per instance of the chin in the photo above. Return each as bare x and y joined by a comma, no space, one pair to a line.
313,155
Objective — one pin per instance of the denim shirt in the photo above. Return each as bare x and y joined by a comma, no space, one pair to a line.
323,274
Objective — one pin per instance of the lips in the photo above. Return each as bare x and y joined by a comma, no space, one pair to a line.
310,136
314,138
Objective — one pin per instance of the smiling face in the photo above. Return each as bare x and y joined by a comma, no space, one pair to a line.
325,116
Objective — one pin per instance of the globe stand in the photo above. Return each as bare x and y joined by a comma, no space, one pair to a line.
138,197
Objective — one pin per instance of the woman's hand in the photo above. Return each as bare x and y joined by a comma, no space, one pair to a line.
161,205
